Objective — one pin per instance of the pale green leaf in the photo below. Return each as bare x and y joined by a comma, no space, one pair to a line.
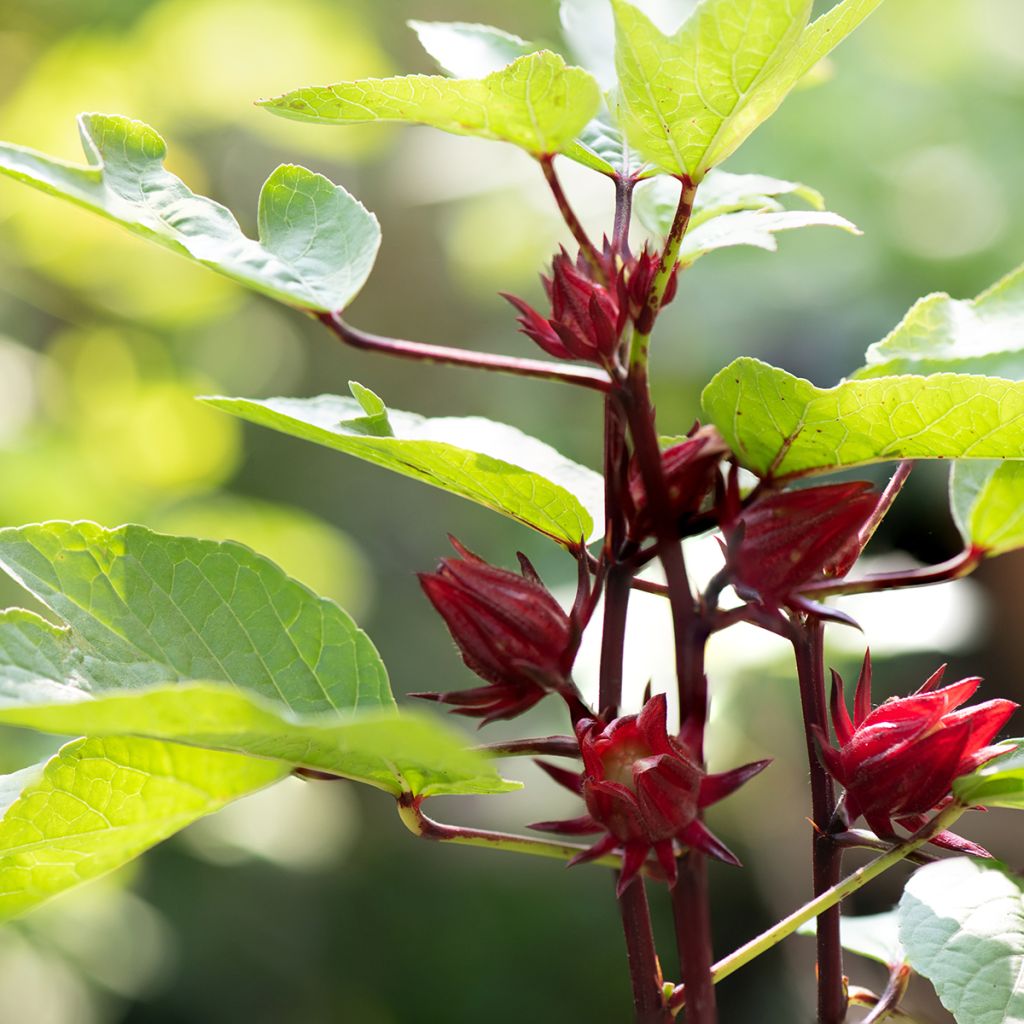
142,608
469,50
815,43
682,93
987,499
602,147
720,193
780,425
962,925
998,783
982,335
489,463
537,102
875,936
101,802
316,247
407,753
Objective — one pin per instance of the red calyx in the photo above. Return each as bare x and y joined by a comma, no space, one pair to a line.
899,760
509,630
645,790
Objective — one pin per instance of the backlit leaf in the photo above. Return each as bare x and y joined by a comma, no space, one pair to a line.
468,50
998,783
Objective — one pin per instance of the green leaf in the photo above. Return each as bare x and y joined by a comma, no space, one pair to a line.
875,936
962,924
490,463
999,783
982,335
682,94
406,753
720,193
815,43
537,102
467,50
375,422
987,499
142,608
101,802
317,244
780,425
602,147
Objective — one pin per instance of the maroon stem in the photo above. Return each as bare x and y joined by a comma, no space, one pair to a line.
644,969
889,495
547,165
585,377
623,214
555,746
827,855
691,912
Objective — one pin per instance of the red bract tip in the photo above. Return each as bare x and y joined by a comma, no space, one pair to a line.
900,759
645,790
509,629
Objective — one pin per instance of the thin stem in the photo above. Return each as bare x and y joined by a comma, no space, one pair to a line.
538,369
828,899
692,917
889,1002
426,828
542,746
547,165
613,637
644,969
623,214
889,495
827,855
952,569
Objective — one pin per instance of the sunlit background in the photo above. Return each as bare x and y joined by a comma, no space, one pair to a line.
310,903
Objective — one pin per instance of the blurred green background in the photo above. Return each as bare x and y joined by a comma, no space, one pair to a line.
310,903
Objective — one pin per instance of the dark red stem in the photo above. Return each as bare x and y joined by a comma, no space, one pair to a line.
553,746
547,165
538,369
691,912
644,969
827,855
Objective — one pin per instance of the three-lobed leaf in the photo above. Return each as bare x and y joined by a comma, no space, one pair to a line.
317,244
691,98
537,102
780,425
962,925
490,463
998,783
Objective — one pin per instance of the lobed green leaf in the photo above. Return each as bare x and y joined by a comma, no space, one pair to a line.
781,426
537,102
490,463
962,925
317,244
999,783
98,803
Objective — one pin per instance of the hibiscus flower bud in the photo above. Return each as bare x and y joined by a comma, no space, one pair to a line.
586,319
639,279
690,469
645,790
898,761
787,539
509,629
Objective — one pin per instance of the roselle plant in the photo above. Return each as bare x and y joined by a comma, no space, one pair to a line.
197,672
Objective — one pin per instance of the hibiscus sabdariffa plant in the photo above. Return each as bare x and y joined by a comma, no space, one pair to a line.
198,672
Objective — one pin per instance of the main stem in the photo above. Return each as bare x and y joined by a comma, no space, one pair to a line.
644,969
827,854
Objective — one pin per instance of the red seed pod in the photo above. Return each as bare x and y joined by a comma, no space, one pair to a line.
509,629
690,469
899,760
645,790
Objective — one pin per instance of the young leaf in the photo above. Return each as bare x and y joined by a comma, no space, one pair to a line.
317,244
601,146
720,193
962,924
681,94
987,499
875,936
98,803
982,335
407,753
537,102
489,463
780,425
998,783
142,608
469,51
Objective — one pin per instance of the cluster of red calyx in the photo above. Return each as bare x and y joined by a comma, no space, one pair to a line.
638,281
899,760
645,790
690,469
590,305
509,629
784,540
